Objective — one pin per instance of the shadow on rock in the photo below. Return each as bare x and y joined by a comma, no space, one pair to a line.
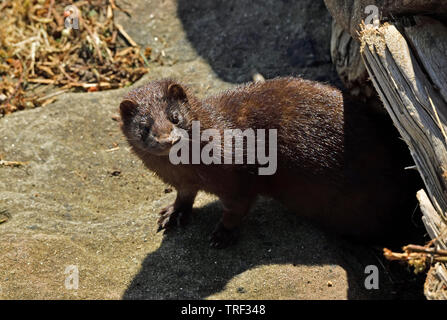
274,37
185,267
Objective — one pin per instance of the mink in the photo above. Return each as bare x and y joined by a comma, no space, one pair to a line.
335,164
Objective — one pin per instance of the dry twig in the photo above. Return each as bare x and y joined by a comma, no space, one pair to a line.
420,257
35,48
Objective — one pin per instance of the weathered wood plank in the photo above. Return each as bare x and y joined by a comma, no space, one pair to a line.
350,13
429,43
411,83
434,287
432,221
345,54
403,87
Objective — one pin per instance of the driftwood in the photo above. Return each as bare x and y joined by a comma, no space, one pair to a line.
408,67
345,54
349,14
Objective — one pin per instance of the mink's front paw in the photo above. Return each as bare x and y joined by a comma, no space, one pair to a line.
223,237
171,217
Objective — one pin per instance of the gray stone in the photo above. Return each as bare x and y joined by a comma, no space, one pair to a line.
105,225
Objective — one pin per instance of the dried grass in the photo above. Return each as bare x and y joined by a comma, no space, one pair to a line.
40,58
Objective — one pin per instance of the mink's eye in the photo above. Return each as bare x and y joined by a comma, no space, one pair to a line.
175,117
145,132
145,129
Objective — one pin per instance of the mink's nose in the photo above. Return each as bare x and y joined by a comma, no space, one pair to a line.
165,139
175,139
159,135
168,140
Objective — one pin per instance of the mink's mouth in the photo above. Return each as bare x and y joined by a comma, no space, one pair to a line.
162,147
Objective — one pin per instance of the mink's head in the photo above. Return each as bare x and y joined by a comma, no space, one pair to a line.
153,114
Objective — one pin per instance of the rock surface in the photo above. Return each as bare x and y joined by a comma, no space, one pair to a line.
81,201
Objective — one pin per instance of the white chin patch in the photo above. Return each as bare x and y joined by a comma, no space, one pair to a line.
178,134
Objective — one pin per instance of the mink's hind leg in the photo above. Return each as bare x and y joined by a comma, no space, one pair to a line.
177,214
226,232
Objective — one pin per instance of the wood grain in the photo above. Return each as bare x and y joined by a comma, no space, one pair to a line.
408,67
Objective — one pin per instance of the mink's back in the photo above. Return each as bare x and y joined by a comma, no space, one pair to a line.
307,115
337,164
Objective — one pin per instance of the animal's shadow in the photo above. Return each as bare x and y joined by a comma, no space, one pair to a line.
185,267
273,37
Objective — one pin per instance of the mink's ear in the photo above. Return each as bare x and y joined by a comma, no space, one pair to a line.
176,92
128,108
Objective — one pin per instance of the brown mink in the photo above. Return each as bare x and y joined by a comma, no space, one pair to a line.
335,165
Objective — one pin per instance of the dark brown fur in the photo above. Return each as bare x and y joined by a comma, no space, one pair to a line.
336,165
